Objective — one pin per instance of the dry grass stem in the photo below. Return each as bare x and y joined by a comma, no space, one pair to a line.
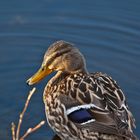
31,130
13,131
23,112
16,132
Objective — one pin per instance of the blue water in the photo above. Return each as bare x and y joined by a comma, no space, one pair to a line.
107,32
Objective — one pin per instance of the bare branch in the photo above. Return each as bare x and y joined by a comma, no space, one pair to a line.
31,130
16,132
23,112
13,130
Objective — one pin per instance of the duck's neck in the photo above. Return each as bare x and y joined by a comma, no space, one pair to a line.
59,76
84,71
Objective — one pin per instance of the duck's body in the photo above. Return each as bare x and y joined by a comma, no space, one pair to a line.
83,106
95,96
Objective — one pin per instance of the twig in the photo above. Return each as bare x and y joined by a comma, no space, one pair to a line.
16,132
31,130
13,131
23,112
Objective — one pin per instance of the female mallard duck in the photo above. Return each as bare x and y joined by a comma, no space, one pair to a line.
81,105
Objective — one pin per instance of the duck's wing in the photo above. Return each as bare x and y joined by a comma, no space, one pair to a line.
100,103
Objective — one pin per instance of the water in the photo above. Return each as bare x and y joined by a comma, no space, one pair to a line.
106,32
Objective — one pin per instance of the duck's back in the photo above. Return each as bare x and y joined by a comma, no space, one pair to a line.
98,103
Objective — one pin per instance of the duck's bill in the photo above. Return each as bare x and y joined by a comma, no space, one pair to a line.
39,75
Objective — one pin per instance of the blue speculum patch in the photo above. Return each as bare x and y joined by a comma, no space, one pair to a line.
80,116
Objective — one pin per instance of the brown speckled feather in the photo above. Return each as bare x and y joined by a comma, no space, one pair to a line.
110,111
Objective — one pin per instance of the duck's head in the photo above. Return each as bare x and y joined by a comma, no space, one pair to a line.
60,56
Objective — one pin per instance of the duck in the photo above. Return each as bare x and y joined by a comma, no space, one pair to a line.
80,105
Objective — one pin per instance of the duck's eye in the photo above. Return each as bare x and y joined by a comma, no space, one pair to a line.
43,69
